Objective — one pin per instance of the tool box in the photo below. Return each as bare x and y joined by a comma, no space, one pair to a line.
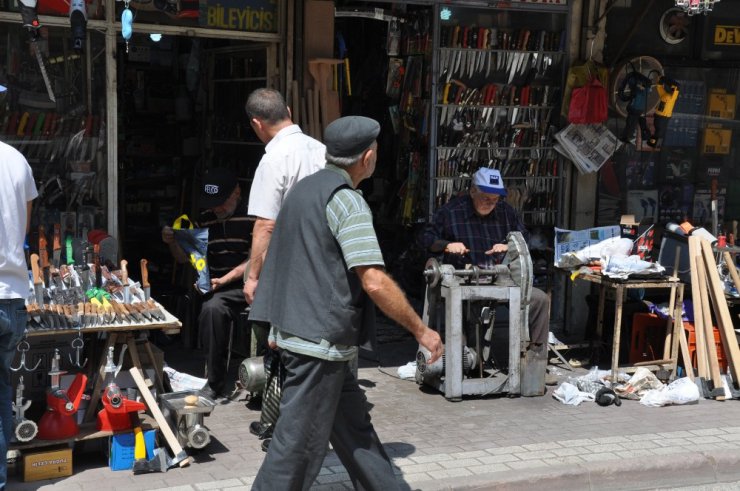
121,457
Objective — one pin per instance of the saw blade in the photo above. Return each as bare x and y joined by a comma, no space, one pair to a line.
44,74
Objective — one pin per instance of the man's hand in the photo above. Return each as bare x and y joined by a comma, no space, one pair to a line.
497,248
168,235
217,283
430,340
456,248
250,286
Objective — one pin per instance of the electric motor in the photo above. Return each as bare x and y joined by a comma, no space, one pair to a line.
198,436
426,372
252,374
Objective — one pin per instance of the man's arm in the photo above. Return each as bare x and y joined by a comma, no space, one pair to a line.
261,235
168,237
391,300
28,216
234,275
434,239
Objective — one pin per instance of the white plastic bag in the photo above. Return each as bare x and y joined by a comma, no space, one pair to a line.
680,391
569,394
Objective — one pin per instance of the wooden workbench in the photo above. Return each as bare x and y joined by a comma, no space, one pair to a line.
119,334
620,288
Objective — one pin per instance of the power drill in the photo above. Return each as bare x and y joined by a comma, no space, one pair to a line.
668,90
78,21
634,90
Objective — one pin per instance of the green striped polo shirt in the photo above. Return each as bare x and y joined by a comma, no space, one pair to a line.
351,222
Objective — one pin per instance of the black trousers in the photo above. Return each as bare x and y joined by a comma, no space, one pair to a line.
218,311
323,402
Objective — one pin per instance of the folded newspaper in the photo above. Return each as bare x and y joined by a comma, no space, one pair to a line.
589,146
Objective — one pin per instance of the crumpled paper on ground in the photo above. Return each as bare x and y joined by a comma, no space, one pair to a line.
642,381
569,394
680,391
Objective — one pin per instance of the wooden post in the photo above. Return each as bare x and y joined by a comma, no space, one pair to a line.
709,332
701,354
726,330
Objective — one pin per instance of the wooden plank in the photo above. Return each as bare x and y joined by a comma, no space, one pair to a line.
671,304
726,329
701,354
687,363
164,427
733,270
709,330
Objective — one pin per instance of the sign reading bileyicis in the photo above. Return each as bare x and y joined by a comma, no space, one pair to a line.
240,15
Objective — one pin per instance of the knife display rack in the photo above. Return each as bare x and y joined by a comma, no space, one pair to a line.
497,85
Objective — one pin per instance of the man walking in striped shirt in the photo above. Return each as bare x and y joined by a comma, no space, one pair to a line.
322,273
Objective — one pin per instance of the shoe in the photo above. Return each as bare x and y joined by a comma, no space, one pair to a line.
255,428
266,444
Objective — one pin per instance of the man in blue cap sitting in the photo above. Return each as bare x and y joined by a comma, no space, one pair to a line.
472,229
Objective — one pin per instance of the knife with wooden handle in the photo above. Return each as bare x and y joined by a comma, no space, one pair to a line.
57,245
38,285
124,281
145,279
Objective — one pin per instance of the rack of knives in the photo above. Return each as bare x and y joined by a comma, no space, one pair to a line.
91,296
531,184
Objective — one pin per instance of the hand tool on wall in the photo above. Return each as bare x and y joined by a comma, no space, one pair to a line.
180,457
31,23
78,23
668,90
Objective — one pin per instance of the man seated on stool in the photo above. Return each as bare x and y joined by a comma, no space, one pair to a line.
225,215
472,229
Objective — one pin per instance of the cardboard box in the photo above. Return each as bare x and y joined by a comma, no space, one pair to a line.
628,227
49,464
121,455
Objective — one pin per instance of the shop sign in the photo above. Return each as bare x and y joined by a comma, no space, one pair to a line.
240,15
725,35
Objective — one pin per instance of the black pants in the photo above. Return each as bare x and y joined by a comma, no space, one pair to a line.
218,311
323,402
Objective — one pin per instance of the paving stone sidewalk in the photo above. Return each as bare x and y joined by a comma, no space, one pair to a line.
488,443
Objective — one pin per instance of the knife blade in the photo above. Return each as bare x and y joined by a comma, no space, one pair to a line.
141,309
132,312
145,279
155,310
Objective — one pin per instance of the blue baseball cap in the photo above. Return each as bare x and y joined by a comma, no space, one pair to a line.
489,181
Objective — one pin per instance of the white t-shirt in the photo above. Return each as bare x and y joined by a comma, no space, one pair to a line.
289,157
17,188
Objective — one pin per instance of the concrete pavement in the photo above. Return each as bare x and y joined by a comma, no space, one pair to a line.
489,443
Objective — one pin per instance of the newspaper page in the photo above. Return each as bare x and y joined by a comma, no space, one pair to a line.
575,240
589,146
